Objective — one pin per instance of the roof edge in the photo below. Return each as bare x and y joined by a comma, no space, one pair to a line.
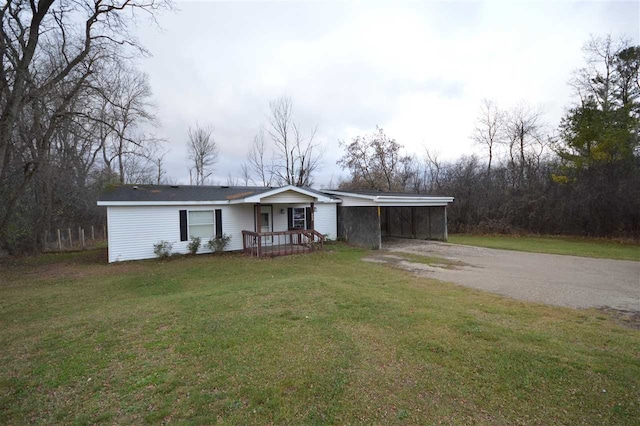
392,196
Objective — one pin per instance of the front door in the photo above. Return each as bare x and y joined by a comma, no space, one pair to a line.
265,223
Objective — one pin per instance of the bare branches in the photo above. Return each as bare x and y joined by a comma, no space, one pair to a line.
376,162
50,92
295,155
603,79
524,131
258,165
203,152
516,133
489,128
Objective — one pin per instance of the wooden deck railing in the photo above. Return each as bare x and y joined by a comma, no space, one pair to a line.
264,244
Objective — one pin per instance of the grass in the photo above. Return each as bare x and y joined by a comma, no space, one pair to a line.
315,339
574,246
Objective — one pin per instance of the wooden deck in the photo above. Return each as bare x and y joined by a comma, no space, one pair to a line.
269,244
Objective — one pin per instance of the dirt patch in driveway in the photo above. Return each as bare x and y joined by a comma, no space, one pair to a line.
571,281
629,319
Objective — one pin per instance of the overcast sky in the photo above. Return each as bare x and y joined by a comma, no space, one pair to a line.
418,70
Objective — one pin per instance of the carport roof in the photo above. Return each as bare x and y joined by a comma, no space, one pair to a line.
371,197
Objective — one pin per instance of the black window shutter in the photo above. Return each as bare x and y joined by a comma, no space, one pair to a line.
307,215
289,218
218,223
183,226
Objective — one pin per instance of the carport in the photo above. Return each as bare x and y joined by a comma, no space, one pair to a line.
365,217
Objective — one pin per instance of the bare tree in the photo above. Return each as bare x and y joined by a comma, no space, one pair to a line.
296,153
595,80
47,61
489,129
524,136
376,162
161,172
128,96
245,174
258,165
203,152
433,170
232,180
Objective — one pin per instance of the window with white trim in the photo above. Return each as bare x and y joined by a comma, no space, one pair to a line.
299,218
201,224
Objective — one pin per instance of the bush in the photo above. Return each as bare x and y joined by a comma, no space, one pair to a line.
162,249
218,244
194,245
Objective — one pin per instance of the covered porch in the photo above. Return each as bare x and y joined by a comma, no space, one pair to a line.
284,224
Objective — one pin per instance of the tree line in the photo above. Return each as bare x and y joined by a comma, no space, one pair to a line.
73,109
582,178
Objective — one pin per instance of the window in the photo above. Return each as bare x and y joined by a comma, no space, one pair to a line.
299,218
201,224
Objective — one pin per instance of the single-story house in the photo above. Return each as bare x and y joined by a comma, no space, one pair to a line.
262,220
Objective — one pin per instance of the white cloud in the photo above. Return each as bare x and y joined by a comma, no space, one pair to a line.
417,70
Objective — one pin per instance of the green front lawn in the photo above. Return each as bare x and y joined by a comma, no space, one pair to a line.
313,339
574,246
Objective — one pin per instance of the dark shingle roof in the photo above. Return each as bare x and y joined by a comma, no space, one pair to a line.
150,193
179,192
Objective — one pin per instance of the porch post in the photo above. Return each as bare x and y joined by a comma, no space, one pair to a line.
312,219
257,218
258,227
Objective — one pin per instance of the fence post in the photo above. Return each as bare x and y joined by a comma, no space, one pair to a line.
59,240
93,233
79,235
82,238
70,239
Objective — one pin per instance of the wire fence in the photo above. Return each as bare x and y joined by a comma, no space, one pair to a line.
75,238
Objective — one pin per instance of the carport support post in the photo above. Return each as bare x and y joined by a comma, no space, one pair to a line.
446,225
379,230
414,231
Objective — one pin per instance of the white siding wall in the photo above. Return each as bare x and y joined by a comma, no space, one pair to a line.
325,218
290,197
280,222
236,219
356,202
134,230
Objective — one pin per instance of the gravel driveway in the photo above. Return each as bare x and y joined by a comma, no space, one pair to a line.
572,281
